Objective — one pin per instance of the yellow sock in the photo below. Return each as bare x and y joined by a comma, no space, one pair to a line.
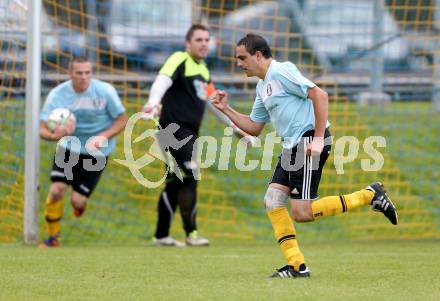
53,213
333,205
286,236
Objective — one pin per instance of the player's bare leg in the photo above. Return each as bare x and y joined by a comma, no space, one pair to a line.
374,195
275,202
79,203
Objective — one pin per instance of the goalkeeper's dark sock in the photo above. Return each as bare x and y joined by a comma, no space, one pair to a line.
286,236
333,205
53,214
187,198
166,207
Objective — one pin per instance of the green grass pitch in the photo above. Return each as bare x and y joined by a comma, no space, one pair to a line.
93,266
224,271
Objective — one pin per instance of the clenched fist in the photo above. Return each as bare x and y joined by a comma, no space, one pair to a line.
220,100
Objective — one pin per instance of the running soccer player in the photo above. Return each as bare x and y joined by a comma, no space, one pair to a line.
297,108
100,116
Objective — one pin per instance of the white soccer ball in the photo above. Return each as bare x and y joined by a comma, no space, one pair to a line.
60,117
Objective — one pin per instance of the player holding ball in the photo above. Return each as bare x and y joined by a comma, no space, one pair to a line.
84,115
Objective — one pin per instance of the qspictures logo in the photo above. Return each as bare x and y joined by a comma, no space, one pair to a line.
164,140
209,150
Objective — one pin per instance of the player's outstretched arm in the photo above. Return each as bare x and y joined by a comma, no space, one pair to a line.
237,131
160,85
220,101
226,120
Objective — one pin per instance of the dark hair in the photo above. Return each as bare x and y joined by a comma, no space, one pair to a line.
253,43
78,59
194,27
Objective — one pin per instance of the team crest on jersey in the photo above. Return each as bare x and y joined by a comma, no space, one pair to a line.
272,88
269,89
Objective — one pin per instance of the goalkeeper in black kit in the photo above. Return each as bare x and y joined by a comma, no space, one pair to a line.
179,95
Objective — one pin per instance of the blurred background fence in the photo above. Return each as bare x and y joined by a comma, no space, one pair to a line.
379,61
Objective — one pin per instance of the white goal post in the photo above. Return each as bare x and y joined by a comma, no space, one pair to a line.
32,137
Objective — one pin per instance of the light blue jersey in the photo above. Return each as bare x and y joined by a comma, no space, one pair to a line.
95,110
282,99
